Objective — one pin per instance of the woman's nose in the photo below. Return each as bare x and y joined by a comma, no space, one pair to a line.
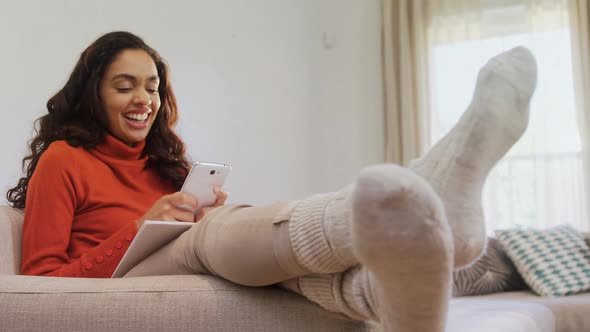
142,98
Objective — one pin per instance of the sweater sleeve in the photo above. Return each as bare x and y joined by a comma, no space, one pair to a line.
49,212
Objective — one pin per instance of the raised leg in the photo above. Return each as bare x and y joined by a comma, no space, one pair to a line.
402,239
458,165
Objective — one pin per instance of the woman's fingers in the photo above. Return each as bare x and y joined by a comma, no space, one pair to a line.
174,207
180,214
181,206
182,199
202,213
221,197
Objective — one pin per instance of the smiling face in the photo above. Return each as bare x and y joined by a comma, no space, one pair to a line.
129,95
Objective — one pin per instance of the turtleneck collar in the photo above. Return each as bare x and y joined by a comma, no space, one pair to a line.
116,149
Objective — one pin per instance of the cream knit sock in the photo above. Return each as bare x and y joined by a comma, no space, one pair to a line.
458,165
400,234
319,230
346,292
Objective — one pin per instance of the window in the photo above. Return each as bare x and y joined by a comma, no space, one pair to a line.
539,183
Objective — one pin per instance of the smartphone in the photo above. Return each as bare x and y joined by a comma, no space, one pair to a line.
200,181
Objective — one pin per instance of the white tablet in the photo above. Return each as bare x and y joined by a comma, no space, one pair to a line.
152,235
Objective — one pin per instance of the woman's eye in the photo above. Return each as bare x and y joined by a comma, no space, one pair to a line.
152,91
124,89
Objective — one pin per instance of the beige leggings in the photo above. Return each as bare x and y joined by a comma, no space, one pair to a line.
244,244
251,246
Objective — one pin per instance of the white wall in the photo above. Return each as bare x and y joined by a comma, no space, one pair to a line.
256,85
346,90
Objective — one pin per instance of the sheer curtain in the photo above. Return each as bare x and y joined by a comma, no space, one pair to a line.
405,65
579,11
540,182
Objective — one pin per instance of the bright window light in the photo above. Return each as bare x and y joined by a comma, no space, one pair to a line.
539,183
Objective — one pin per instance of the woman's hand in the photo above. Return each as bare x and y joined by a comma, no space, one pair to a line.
221,198
169,208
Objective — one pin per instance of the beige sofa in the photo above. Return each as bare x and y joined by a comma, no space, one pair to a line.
205,303
166,303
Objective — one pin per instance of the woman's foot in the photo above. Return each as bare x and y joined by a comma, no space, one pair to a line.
458,165
401,236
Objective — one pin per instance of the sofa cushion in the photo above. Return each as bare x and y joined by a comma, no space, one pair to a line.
571,312
162,303
493,272
553,262
470,314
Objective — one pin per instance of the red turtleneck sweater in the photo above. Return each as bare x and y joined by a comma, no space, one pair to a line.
82,206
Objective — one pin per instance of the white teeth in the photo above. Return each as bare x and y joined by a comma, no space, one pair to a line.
137,117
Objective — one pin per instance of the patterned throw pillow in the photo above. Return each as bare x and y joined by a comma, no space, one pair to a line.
494,272
553,262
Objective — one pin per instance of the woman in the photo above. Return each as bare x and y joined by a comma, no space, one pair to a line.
106,158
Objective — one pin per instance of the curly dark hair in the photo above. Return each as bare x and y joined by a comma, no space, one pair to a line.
75,114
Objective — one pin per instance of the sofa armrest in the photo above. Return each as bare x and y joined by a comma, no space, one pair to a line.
11,227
